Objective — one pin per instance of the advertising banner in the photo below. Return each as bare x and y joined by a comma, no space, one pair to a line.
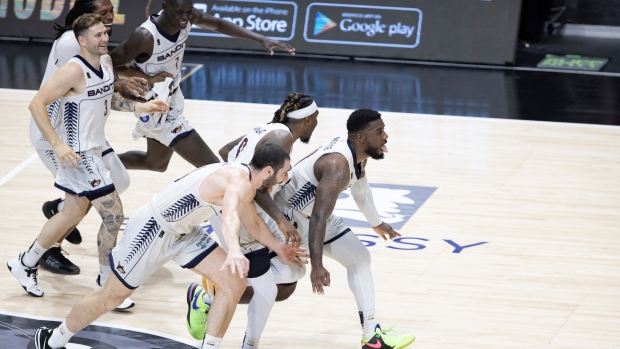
471,31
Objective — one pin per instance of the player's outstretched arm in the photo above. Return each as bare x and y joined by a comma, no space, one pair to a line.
69,77
121,103
208,22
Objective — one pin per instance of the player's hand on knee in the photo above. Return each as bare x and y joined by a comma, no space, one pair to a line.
64,153
296,256
237,263
319,276
386,231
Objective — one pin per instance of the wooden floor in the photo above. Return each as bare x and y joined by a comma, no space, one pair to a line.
544,196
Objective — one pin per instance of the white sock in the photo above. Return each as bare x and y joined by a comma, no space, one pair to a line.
31,257
61,205
211,342
370,323
104,272
265,292
60,336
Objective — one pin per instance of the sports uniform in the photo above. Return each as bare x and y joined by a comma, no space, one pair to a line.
63,49
166,228
83,121
167,56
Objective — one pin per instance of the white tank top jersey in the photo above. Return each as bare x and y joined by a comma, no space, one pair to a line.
300,190
179,207
63,49
84,115
167,56
244,151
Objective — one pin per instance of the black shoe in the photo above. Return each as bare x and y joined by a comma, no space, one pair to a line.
41,337
50,208
54,261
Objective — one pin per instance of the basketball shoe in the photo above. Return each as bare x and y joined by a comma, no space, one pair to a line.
54,261
41,337
382,340
50,208
127,303
198,305
26,276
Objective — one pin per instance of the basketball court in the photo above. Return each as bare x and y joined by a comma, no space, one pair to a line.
509,237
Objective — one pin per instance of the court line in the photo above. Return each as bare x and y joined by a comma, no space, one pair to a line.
185,341
196,68
18,169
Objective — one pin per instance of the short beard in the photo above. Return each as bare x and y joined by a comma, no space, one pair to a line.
375,153
268,183
305,140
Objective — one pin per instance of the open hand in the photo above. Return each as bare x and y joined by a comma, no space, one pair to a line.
269,45
296,256
64,153
237,263
154,106
386,231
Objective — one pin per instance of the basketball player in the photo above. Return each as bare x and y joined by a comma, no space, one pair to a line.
167,228
295,120
64,48
309,198
157,47
85,88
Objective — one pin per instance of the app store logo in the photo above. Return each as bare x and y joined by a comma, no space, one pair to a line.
364,25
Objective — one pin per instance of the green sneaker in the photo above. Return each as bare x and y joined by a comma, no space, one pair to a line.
197,311
383,340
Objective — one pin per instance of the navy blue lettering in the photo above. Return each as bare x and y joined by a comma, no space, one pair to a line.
402,241
458,248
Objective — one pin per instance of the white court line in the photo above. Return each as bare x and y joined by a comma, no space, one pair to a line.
18,169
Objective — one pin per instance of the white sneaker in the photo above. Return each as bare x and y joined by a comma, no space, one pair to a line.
27,277
127,303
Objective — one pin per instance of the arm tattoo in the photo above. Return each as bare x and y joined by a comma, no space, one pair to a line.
122,104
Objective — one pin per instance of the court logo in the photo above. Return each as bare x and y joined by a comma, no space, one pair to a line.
275,19
396,204
364,25
322,23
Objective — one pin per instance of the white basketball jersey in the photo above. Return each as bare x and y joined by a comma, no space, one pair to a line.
84,115
167,56
63,49
179,207
300,190
244,151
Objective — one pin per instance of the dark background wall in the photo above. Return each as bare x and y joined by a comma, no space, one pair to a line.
592,12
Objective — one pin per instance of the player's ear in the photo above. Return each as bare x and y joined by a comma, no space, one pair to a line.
81,40
361,138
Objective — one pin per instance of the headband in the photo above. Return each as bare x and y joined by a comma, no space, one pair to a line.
304,112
